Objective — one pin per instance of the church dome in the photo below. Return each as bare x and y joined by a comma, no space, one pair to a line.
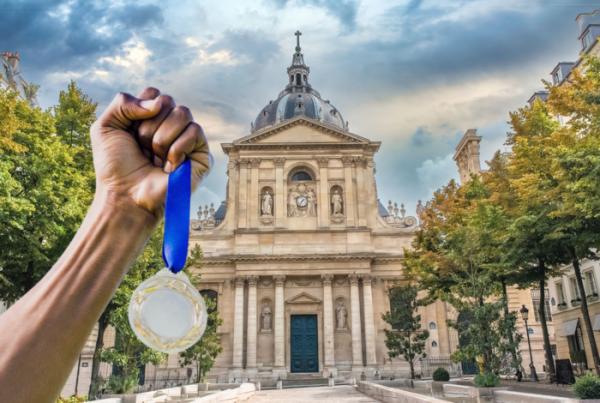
299,99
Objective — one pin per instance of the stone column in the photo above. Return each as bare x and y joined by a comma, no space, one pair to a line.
328,323
362,190
349,201
280,196
238,324
243,194
324,191
357,360
279,330
252,323
369,321
254,197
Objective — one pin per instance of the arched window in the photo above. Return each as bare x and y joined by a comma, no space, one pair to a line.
432,325
298,79
434,344
301,176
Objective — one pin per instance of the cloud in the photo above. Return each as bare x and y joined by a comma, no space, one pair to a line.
344,11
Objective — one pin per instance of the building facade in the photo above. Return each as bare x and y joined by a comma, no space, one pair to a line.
301,254
572,341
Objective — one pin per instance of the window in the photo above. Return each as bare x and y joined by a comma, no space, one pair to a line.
590,283
301,176
574,289
535,299
434,344
432,325
560,293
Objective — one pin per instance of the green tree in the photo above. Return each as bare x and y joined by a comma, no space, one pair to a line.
44,195
74,115
405,338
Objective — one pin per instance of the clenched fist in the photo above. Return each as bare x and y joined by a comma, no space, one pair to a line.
137,142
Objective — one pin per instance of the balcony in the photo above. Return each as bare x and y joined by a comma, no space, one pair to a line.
576,302
592,297
561,306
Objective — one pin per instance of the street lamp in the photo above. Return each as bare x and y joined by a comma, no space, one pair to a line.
525,315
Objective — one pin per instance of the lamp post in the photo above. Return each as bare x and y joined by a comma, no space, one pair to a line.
525,315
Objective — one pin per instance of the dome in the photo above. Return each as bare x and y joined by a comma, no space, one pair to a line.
299,99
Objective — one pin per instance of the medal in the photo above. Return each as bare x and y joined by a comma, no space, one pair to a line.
166,312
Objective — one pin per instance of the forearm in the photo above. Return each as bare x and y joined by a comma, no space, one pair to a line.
62,308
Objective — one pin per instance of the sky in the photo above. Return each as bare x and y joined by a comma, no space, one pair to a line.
413,74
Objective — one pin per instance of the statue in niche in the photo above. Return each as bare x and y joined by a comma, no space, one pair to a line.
292,207
341,316
266,317
337,203
266,206
312,202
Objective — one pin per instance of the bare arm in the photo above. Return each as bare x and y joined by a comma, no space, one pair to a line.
42,333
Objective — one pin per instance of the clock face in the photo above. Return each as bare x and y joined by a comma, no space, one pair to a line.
301,201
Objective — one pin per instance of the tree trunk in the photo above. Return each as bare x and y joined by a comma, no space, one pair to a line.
511,339
542,315
585,312
102,325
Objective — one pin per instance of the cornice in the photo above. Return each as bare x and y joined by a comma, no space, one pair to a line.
374,258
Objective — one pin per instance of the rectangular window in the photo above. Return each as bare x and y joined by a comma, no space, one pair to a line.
574,288
560,292
590,283
535,299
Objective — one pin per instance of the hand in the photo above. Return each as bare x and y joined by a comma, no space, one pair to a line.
137,142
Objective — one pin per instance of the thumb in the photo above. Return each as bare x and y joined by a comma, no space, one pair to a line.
125,109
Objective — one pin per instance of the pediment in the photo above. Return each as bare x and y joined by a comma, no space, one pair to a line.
301,130
303,298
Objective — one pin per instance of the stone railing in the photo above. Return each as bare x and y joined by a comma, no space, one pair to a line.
394,395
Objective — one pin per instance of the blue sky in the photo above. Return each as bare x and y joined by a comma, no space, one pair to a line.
414,74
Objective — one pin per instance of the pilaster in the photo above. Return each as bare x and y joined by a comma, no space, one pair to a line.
254,197
324,190
243,195
279,331
252,324
328,324
280,196
238,324
349,192
357,359
369,321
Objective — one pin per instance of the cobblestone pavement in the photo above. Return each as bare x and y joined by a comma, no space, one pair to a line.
341,394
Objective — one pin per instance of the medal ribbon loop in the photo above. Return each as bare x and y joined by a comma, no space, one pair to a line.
177,217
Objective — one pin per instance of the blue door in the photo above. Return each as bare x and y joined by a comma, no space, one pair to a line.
304,343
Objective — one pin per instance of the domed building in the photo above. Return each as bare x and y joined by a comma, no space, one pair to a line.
300,255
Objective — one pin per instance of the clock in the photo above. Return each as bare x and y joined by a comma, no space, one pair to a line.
301,201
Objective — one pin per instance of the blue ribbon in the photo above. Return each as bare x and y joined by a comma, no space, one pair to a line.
177,217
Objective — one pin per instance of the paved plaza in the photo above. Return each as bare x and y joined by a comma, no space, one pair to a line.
341,394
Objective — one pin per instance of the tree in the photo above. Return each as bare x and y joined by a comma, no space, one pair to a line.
205,351
44,195
405,338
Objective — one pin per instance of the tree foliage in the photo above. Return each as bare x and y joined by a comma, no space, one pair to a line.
405,338
44,192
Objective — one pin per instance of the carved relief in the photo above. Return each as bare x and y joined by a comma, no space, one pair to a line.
397,216
302,201
337,204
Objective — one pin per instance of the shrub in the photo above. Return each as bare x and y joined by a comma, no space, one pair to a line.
487,380
72,399
587,387
441,374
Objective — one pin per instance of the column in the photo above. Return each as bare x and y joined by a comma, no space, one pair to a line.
349,192
243,194
328,322
369,321
238,323
324,191
362,190
254,197
357,360
280,196
252,323
279,334
232,173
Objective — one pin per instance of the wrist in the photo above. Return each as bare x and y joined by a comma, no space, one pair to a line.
112,203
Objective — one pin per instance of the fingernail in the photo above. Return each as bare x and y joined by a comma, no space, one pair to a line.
168,167
148,104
